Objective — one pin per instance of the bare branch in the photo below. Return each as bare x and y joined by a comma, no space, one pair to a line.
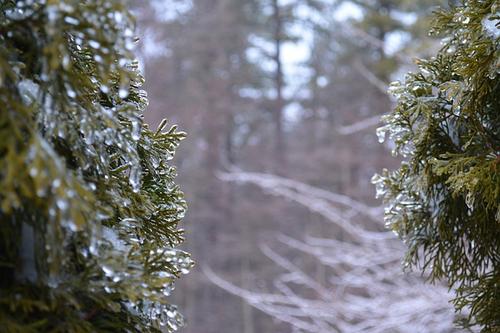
359,126
371,77
366,292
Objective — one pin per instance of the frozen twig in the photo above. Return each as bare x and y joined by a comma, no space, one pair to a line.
366,291
359,126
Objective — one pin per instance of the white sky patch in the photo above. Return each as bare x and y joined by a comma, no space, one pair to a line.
319,18
395,41
322,81
259,51
293,114
296,54
293,57
152,47
170,10
346,11
406,18
250,93
285,2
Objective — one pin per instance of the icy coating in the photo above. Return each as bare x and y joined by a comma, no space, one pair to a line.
81,163
443,201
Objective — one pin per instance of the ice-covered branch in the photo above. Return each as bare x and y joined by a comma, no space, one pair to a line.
359,126
363,288
336,208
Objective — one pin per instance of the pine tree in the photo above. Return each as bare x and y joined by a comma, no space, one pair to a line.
444,200
88,206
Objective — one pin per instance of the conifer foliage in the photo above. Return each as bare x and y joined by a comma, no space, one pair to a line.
444,200
88,206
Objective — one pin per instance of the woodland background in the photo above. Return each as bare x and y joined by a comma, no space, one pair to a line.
293,89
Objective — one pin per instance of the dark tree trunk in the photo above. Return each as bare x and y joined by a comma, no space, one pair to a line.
279,144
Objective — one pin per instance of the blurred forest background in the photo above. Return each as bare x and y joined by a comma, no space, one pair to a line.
281,100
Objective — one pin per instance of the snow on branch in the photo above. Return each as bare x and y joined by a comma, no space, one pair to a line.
336,208
363,288
359,126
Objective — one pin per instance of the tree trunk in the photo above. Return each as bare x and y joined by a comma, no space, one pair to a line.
279,144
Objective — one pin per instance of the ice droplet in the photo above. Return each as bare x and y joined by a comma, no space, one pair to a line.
33,172
56,183
136,130
93,247
155,161
118,17
123,92
380,189
163,321
104,88
122,62
395,89
66,62
129,45
62,204
71,93
71,20
71,225
135,178
15,14
128,32
52,13
53,282
107,271
469,200
94,44
381,133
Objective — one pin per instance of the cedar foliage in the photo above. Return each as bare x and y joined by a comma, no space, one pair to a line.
444,200
88,204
